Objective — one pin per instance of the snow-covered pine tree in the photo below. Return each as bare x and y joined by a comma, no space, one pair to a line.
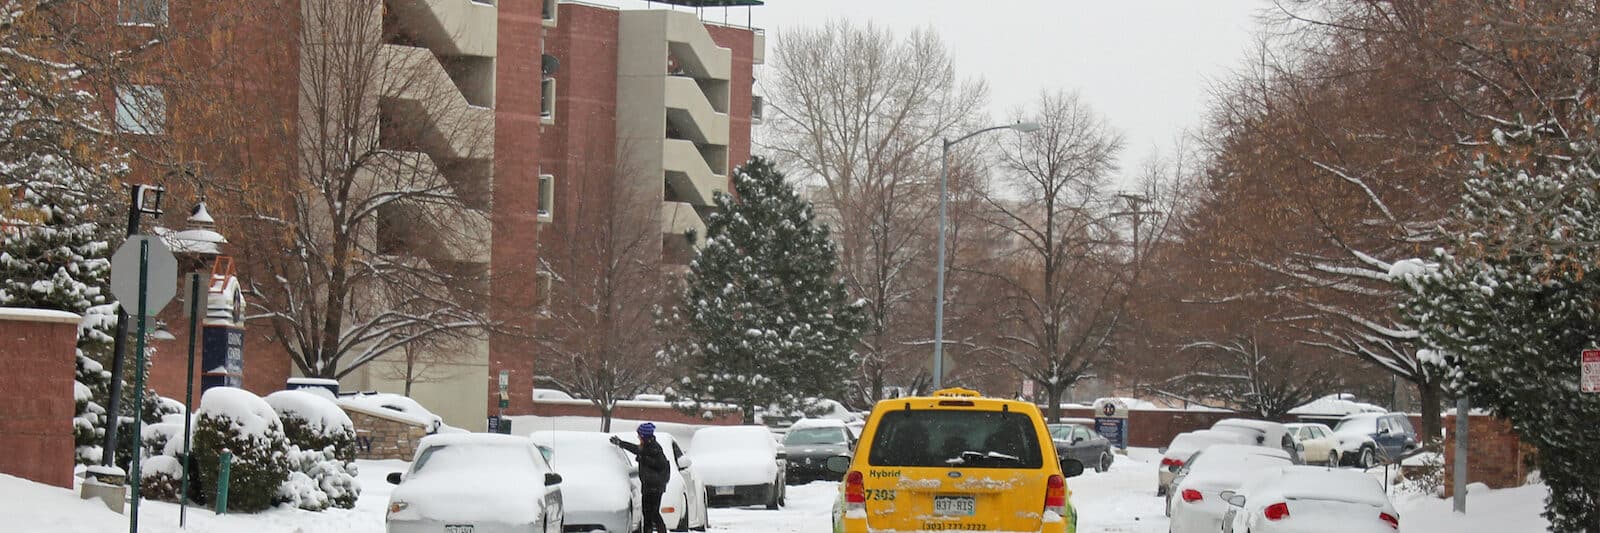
59,172
1510,305
764,320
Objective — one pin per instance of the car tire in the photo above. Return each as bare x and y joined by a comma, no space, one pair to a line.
1333,459
1368,457
1105,462
772,495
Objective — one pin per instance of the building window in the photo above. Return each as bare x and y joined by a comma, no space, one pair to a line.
757,105
549,12
141,109
547,196
547,100
142,12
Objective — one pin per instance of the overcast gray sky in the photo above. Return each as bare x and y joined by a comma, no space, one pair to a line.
1144,64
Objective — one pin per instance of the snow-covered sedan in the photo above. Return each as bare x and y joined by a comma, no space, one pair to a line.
1195,502
683,506
602,485
1294,499
740,465
810,442
1318,442
475,483
1185,445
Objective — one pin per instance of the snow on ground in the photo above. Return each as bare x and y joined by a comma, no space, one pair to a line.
1119,501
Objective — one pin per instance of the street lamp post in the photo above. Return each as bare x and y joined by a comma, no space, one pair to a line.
944,177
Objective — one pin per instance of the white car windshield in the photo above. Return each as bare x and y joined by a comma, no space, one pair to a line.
473,456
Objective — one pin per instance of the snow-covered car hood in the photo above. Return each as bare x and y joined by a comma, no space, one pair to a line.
477,495
736,468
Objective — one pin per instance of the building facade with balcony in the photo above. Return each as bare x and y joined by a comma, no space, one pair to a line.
508,107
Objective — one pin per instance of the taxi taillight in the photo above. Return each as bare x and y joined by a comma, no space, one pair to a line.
1055,495
855,491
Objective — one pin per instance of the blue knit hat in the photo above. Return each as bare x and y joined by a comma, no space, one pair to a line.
647,430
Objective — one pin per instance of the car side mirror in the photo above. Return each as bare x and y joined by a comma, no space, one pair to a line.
1384,431
1233,498
838,464
552,479
1071,468
1300,446
684,463
1076,440
394,478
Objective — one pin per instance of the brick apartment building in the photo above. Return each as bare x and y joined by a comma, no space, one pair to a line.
543,93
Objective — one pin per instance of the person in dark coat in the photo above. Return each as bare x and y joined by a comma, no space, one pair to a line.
654,471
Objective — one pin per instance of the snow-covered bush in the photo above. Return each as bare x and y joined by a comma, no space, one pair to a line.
318,480
321,451
88,416
160,477
313,422
243,423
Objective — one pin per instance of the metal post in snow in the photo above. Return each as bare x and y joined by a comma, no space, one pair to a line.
226,460
188,397
138,387
1463,410
118,348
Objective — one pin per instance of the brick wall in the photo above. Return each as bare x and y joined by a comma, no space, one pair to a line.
1495,455
37,350
721,417
384,437
1156,428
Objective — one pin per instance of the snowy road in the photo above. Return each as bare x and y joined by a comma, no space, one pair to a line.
1121,500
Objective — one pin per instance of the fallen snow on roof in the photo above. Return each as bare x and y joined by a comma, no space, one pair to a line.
393,405
735,455
1336,405
817,423
38,315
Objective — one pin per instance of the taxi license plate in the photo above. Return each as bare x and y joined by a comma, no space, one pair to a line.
458,528
725,490
955,505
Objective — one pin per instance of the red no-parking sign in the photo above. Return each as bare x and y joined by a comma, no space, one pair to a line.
1591,371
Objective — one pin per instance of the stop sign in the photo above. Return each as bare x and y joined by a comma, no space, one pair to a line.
161,275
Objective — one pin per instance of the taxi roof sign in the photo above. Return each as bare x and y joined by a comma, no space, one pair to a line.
957,392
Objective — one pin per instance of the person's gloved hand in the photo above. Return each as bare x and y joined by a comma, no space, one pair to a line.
615,440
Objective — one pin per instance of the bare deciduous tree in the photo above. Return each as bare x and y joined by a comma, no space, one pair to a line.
1064,282
860,110
376,242
597,327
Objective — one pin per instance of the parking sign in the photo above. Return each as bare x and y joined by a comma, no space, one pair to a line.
1590,380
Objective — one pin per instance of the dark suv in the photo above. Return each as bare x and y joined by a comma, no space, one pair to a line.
1366,439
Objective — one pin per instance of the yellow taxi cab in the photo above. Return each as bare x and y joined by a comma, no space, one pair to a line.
955,461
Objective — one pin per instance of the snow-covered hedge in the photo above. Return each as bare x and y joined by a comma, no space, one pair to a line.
236,420
321,454
160,478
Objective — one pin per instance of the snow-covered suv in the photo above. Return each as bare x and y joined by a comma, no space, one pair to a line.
1366,439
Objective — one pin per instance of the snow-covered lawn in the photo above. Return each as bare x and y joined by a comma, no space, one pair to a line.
1122,500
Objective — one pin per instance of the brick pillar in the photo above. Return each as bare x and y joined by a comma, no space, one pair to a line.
38,353
1495,454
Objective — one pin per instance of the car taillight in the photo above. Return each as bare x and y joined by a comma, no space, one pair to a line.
1394,521
669,510
1055,495
855,491
1191,495
1276,511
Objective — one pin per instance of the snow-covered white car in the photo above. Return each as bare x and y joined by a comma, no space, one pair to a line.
1185,445
1316,441
477,483
1263,433
601,484
1293,499
1195,502
740,465
683,505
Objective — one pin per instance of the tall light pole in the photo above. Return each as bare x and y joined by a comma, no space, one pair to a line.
944,178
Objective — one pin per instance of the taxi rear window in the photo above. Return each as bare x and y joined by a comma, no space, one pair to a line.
965,439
